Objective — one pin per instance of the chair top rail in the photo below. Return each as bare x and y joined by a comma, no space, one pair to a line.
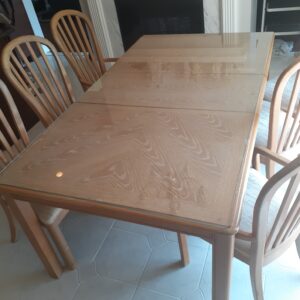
74,34
39,77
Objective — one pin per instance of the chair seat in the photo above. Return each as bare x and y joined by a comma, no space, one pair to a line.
255,183
47,214
263,125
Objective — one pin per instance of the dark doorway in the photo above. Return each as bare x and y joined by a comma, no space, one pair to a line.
140,17
45,9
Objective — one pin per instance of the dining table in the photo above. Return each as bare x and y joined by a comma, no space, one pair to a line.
164,138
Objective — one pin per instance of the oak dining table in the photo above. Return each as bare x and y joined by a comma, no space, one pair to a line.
164,139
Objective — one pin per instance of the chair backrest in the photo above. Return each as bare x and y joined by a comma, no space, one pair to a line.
74,34
33,67
13,135
282,227
287,137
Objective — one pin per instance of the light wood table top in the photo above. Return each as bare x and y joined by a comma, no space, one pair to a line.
211,72
232,53
164,138
168,162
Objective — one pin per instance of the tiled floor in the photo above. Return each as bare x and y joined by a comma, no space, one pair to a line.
123,261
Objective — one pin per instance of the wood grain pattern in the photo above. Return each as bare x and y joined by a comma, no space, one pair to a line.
171,162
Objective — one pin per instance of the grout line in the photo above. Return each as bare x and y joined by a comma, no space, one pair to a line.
201,275
78,276
115,279
143,272
161,294
101,244
136,233
205,261
76,291
202,294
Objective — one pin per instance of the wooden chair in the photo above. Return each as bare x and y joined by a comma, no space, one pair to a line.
33,67
74,35
14,139
270,219
279,126
270,224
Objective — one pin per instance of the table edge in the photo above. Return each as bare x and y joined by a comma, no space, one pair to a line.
134,215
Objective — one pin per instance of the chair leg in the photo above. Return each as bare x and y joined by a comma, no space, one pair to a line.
270,168
10,219
256,162
62,245
184,251
256,281
298,245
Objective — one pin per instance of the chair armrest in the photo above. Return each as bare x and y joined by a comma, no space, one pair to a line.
111,59
270,155
242,235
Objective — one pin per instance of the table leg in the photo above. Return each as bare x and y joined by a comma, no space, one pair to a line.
184,250
223,247
28,220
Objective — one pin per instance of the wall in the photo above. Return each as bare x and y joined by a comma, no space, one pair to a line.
212,16
246,11
104,17
22,24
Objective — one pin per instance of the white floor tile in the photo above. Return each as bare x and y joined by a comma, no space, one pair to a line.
192,240
241,284
143,294
50,289
282,283
283,277
87,272
194,295
123,256
155,236
165,274
130,253
22,275
105,289
85,234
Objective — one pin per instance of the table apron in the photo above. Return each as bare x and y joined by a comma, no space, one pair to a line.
117,212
